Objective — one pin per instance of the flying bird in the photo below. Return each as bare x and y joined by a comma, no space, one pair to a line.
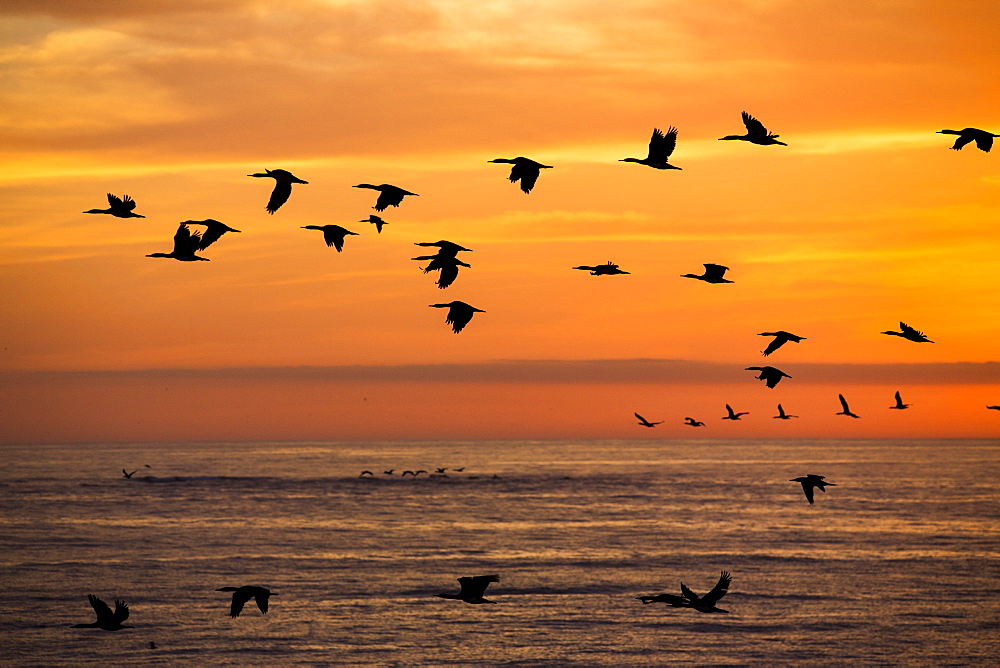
446,266
704,603
995,408
388,195
473,589
333,235
713,274
769,374
691,422
243,594
646,423
119,207
983,139
782,415
389,472
364,473
609,269
733,415
375,220
909,334
213,230
756,133
129,475
899,402
847,409
106,620
809,482
781,337
660,147
459,314
445,248
524,170
283,181
186,243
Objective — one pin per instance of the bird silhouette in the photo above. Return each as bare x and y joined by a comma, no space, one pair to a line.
375,220
995,408
646,423
782,415
186,242
213,230
364,473
704,603
283,181
660,147
444,262
441,470
609,269
473,589
781,337
899,402
769,374
733,415
713,274
119,207
691,422
106,620
388,195
243,594
333,235
983,139
127,474
459,314
847,409
445,248
809,482
524,170
389,472
756,133
909,334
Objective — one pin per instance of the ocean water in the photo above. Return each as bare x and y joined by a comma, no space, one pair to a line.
897,564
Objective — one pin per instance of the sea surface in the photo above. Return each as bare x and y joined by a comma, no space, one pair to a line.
897,564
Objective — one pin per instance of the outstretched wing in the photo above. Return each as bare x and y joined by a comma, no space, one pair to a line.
526,174
776,343
661,144
754,127
843,403
280,194
807,487
239,598
719,590
121,611
962,141
906,329
475,587
984,142
688,594
186,242
333,238
261,597
104,613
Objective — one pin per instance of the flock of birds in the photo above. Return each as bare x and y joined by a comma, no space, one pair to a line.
193,236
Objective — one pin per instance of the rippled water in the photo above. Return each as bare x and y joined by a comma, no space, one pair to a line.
897,564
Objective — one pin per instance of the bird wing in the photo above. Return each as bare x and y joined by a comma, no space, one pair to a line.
843,403
333,237
388,198
899,398
475,587
280,194
984,142
690,595
730,410
213,230
719,590
776,343
261,596
962,141
661,144
121,611
754,127
101,608
526,174
240,596
186,242
115,202
459,316
807,487
127,203
449,272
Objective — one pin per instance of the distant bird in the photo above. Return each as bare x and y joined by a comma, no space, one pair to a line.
213,230
909,334
733,415
388,195
119,207
243,594
473,589
691,422
756,133
364,473
441,470
445,248
129,475
847,409
608,269
106,620
378,222
459,314
646,423
782,415
769,374
283,181
704,603
389,472
333,235
983,139
447,266
781,337
186,243
713,274
524,170
809,482
152,645
459,470
660,147
899,402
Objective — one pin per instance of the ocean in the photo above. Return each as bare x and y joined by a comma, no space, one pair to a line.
897,564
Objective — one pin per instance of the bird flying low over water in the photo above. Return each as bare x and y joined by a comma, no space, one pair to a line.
756,133
333,235
243,594
186,243
983,139
283,181
809,482
691,422
769,374
909,334
782,415
781,337
119,207
459,314
609,269
899,402
127,474
660,147
646,423
213,230
473,589
847,409
388,195
376,221
704,603
524,170
733,415
713,274
106,620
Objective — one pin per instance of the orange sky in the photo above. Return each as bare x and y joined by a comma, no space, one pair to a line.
865,219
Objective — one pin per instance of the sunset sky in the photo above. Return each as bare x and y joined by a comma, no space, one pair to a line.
864,220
